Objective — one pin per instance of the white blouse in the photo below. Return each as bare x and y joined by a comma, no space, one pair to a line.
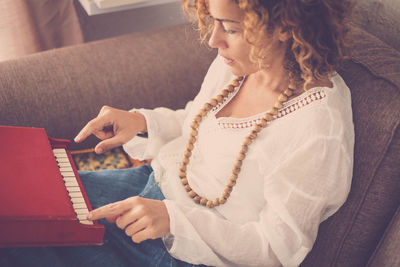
296,174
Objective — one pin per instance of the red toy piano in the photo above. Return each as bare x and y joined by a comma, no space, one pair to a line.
42,200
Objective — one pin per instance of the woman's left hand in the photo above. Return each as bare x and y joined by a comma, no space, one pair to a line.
141,218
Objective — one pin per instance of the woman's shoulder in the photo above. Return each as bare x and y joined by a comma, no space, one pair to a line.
320,112
324,104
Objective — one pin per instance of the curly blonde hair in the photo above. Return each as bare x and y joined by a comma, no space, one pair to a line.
317,30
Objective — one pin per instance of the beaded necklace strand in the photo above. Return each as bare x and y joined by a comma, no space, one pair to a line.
269,116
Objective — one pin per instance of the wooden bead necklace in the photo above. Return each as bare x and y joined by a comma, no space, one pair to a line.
269,116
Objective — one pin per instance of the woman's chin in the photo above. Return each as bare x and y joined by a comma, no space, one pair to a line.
239,71
236,70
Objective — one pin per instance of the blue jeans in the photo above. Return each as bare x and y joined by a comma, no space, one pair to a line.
103,187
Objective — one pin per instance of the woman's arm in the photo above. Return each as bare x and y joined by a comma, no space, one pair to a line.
162,125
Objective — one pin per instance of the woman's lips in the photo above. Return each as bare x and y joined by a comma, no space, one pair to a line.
228,61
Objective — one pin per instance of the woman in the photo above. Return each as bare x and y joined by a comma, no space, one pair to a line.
248,170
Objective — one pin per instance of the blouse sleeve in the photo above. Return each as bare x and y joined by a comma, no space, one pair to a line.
299,194
164,124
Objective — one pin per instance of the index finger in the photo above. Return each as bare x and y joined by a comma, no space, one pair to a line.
97,124
110,210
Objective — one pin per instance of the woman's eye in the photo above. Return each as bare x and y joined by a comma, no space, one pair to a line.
230,31
227,30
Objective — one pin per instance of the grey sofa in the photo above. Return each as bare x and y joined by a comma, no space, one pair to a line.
60,90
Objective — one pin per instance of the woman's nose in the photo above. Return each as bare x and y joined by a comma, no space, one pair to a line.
217,38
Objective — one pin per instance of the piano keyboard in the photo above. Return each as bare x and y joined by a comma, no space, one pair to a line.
74,191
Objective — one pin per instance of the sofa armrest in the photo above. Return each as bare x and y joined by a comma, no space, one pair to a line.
62,89
387,252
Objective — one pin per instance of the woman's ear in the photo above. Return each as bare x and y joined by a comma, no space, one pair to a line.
283,34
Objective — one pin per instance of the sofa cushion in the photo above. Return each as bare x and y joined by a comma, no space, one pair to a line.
380,18
386,253
350,236
380,59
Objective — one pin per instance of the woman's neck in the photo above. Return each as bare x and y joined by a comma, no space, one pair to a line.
273,80
277,80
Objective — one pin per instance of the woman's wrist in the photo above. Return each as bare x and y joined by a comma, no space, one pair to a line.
141,122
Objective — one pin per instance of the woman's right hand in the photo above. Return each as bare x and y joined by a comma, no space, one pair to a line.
114,126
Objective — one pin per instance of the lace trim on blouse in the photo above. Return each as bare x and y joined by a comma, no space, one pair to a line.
290,106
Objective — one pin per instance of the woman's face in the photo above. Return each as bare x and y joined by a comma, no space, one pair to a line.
227,37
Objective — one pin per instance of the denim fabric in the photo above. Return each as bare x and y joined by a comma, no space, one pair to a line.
103,187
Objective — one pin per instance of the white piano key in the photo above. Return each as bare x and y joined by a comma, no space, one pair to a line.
69,179
82,211
66,169
79,205
76,194
64,164
68,174
62,160
59,150
77,200
86,222
72,189
82,217
60,154
71,183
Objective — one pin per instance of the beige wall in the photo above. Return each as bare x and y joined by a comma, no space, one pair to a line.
30,26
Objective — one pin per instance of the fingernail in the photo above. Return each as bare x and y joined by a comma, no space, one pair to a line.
99,150
77,138
89,216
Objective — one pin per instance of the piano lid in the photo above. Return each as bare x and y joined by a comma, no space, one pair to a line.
31,186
